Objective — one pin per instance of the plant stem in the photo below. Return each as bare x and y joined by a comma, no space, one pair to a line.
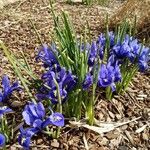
59,105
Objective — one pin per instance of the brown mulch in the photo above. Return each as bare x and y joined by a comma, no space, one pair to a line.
130,9
17,33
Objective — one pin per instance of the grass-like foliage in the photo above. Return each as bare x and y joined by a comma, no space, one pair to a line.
90,2
74,69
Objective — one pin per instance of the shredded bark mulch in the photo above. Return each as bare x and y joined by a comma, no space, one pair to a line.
18,34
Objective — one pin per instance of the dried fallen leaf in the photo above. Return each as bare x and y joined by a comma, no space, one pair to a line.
139,130
85,142
129,137
76,1
103,127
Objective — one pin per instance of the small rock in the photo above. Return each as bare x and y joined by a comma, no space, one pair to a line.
103,141
123,148
111,135
55,143
145,137
111,114
32,55
39,141
118,116
124,127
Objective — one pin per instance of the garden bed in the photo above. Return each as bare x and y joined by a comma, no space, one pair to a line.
18,35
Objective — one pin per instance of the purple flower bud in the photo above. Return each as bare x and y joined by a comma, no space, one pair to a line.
46,54
92,55
88,81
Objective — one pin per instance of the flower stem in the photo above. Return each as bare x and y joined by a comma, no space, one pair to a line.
59,105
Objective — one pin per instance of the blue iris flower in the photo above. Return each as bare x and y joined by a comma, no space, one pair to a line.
101,43
87,81
108,75
143,59
105,78
65,80
56,119
2,140
33,112
122,50
7,89
25,136
34,115
92,55
47,55
4,110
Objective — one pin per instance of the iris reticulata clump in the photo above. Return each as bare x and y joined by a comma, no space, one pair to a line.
74,70
102,63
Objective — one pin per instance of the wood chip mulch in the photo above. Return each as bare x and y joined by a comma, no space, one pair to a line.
17,33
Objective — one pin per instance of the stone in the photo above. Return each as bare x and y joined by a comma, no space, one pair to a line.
112,135
55,143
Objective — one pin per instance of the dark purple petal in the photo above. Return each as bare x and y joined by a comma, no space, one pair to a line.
92,55
1,97
7,89
46,54
40,110
5,83
25,136
37,124
88,81
29,119
57,119
33,112
2,140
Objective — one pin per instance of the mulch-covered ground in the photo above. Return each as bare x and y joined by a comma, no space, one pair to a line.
18,35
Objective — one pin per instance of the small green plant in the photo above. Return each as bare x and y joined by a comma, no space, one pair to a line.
103,2
87,2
